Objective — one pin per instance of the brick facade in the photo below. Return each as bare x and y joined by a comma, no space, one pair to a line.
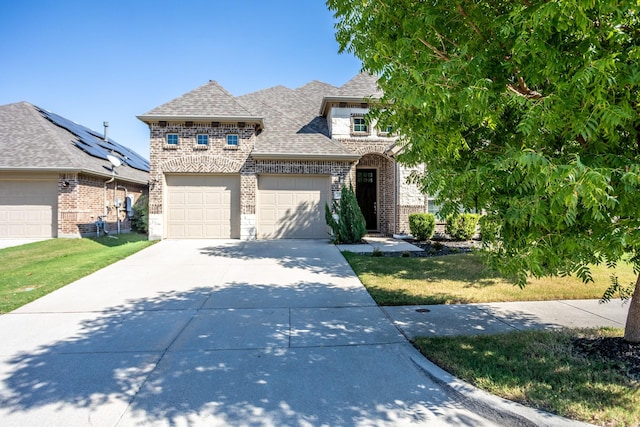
189,158
81,199
342,142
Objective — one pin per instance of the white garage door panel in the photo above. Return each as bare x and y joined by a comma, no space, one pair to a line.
203,206
292,206
28,209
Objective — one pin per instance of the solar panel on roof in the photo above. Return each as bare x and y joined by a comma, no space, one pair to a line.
93,144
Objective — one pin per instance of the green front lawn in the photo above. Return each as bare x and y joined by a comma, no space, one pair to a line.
462,279
540,369
543,370
30,271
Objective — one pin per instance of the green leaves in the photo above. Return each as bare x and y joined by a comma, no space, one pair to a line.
528,111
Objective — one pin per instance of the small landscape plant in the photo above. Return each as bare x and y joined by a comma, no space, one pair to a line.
140,220
489,229
422,225
349,225
462,226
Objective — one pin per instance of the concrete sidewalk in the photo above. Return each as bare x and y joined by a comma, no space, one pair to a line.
384,244
495,318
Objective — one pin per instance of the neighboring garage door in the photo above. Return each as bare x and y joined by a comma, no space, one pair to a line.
292,207
28,209
203,206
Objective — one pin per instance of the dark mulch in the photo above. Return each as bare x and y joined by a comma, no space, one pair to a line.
431,248
624,356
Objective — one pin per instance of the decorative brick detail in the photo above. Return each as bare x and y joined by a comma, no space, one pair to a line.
341,172
201,164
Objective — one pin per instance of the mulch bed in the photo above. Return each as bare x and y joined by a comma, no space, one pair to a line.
624,356
432,248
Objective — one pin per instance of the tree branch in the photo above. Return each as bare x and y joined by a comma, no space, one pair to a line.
435,50
527,93
522,89
475,28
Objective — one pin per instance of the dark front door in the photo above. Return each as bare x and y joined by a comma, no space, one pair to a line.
366,193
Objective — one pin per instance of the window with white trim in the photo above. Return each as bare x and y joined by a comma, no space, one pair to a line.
359,126
172,139
388,131
232,140
202,139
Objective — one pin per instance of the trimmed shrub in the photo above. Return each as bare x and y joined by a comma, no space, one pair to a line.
422,225
140,220
489,229
350,225
462,226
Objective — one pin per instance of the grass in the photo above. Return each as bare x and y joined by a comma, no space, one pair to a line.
540,369
31,271
462,279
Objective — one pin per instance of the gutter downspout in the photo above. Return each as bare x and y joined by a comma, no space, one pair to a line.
397,198
113,178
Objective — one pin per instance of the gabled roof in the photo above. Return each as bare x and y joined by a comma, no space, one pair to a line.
31,142
292,126
361,88
208,102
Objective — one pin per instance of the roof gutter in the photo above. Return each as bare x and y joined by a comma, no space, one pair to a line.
83,171
330,99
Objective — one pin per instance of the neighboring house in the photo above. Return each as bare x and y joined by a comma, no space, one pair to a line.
263,165
56,179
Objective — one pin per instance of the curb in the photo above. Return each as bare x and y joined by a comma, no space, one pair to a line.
494,408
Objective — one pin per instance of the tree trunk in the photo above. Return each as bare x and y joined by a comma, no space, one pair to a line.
632,328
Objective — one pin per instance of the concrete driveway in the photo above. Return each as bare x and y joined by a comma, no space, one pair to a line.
195,333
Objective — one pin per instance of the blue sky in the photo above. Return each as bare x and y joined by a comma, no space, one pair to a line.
94,61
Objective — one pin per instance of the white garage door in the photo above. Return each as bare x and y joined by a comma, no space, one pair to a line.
28,209
203,206
292,207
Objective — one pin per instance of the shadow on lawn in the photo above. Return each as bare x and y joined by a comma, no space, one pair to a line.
384,296
114,240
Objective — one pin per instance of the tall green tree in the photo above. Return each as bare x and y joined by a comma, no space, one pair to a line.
528,109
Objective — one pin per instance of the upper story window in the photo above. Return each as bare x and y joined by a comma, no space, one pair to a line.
359,126
388,131
172,139
232,140
202,139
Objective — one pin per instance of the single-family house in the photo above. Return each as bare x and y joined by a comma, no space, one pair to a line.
59,178
263,165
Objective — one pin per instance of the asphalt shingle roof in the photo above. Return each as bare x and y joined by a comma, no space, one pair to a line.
363,85
209,100
28,141
292,125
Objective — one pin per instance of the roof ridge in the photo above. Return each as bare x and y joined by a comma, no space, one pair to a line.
209,99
